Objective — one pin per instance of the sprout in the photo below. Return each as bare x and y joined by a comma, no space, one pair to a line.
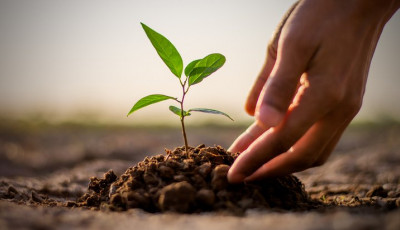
195,72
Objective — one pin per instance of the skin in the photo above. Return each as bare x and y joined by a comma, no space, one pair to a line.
310,87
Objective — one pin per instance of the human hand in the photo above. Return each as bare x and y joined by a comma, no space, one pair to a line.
310,87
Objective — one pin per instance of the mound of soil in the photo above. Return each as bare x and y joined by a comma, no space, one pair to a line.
188,183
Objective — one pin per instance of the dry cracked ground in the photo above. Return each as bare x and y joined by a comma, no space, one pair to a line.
44,166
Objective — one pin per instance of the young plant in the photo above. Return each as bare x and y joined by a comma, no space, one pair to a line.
195,72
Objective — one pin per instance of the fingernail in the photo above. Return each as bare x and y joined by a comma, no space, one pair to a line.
233,146
268,116
235,178
230,149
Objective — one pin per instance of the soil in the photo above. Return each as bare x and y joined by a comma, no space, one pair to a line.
48,172
195,181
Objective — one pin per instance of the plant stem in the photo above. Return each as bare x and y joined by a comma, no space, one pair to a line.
184,91
184,134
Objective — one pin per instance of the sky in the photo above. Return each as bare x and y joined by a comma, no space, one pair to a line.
82,58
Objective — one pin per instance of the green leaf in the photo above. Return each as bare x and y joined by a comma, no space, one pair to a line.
178,111
190,67
148,100
212,111
167,51
205,67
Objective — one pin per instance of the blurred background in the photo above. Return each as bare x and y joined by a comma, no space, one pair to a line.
71,70
90,60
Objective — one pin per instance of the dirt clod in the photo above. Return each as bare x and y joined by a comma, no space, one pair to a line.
11,191
178,196
219,180
35,197
192,182
205,198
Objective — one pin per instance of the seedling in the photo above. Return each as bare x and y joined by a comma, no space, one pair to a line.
195,72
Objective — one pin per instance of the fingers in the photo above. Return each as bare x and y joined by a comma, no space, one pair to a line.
311,150
246,138
277,140
325,153
251,159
